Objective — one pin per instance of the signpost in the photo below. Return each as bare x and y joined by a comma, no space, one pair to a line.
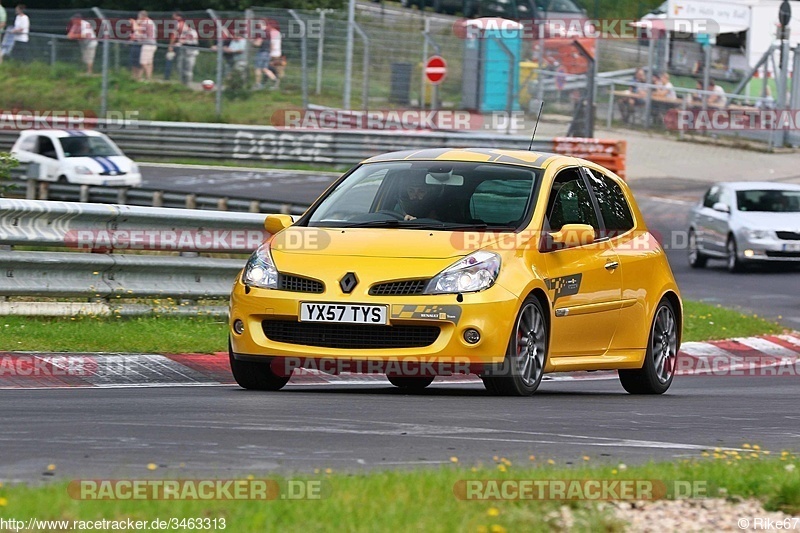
435,73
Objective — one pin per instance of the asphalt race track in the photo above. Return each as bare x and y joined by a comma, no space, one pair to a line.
770,292
225,430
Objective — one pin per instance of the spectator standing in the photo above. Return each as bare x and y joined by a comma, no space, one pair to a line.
17,37
147,29
183,43
135,51
262,46
81,30
277,61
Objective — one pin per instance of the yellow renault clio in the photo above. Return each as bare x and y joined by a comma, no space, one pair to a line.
506,264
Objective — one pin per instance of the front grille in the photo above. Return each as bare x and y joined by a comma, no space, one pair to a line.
788,235
289,282
399,288
354,336
788,255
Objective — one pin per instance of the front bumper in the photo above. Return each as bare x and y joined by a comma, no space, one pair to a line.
769,249
491,312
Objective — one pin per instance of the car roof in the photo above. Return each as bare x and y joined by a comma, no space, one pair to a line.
63,133
759,185
476,155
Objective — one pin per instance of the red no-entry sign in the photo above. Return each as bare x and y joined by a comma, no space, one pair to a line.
435,69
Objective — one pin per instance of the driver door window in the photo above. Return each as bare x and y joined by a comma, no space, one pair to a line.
46,147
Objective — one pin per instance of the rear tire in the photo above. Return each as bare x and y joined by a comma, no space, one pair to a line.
256,376
658,369
526,356
410,383
696,257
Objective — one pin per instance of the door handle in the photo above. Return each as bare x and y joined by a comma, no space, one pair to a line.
612,265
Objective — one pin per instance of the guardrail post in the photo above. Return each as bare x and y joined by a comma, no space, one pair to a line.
44,189
286,209
30,189
122,195
222,204
158,199
255,206
191,201
84,194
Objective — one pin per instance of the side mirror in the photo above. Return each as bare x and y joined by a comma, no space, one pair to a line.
721,207
572,235
275,223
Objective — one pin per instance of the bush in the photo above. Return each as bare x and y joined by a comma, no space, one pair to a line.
7,162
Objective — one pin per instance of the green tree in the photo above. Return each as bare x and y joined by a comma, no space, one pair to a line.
7,162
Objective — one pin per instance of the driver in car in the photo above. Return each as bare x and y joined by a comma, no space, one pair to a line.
417,198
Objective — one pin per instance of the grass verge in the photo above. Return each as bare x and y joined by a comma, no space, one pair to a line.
425,500
172,334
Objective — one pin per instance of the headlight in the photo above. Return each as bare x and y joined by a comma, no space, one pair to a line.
86,171
260,270
476,272
758,234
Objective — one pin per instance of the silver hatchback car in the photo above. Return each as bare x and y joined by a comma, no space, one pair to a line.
745,223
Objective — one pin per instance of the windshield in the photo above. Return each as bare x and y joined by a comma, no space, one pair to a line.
88,147
430,195
558,6
769,201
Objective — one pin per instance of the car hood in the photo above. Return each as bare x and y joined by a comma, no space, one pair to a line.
119,164
371,242
768,221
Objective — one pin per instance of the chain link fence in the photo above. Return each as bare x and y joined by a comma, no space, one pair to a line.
489,70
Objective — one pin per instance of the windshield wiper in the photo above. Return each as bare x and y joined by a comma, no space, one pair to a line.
392,223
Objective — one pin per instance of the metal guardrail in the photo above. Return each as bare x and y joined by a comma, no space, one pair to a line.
143,196
266,143
111,228
41,223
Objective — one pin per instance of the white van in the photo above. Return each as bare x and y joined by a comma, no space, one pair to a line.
76,156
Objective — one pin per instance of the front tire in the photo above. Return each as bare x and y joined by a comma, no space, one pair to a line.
734,263
410,383
256,376
658,369
526,356
696,257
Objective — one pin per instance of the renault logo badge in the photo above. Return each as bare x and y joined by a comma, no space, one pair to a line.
348,282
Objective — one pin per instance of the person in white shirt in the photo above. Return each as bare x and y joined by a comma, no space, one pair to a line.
17,37
667,90
82,31
277,61
718,98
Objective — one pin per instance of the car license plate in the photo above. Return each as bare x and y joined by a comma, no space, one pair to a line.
344,313
791,247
